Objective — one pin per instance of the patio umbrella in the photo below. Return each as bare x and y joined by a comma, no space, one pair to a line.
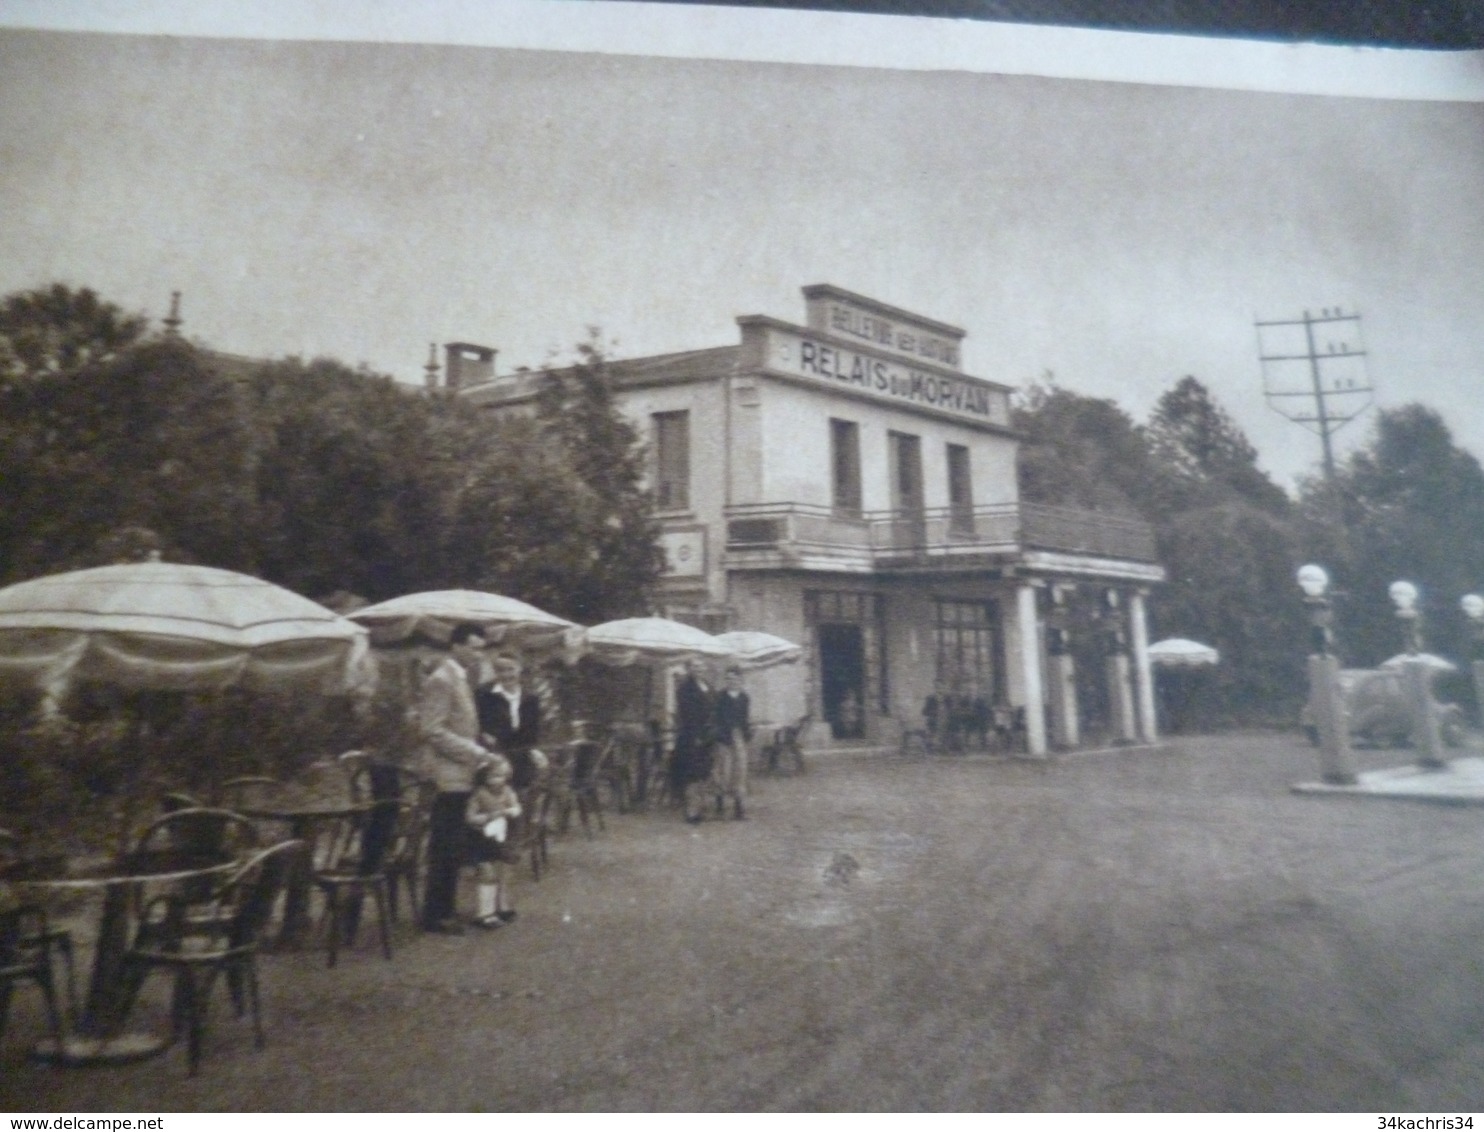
753,649
432,616
163,626
638,640
1177,652
1435,664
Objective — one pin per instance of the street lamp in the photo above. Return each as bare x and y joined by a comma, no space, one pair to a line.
1426,739
1314,581
1326,706
1473,608
1404,597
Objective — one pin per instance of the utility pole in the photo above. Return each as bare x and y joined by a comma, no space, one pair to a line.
1321,389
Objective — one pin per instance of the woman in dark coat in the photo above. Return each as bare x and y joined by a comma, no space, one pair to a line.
690,770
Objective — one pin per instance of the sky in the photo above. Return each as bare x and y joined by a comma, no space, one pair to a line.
363,199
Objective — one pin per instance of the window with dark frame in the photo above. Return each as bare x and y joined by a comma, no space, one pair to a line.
960,490
672,460
845,454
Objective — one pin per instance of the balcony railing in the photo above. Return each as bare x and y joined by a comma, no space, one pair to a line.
797,532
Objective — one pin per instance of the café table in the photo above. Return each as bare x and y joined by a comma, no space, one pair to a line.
99,1036
316,819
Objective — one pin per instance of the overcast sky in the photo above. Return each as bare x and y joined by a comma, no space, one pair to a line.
361,200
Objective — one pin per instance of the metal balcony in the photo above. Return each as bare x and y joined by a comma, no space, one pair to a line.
799,535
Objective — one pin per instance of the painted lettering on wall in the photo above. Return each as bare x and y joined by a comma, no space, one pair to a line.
884,378
884,332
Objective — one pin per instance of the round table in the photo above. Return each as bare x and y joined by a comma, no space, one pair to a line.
99,1036
308,819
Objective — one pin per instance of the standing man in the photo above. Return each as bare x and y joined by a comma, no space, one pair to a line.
451,754
690,769
511,717
733,735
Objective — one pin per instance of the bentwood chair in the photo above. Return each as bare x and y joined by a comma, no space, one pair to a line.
28,942
590,760
24,954
197,949
358,869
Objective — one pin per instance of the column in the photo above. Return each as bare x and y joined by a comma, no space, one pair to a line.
1143,675
1030,670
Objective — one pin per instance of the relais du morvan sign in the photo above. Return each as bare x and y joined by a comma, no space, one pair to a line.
821,359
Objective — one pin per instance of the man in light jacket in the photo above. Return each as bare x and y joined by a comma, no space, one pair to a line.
452,754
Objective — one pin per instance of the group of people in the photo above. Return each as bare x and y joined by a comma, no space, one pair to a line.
956,722
480,729
713,728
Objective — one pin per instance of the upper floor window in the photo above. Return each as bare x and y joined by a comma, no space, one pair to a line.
960,489
845,456
672,460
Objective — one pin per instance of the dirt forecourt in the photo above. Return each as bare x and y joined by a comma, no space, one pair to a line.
1167,929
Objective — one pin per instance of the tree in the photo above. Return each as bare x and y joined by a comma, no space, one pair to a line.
607,560
56,330
1202,456
150,438
1410,505
1080,451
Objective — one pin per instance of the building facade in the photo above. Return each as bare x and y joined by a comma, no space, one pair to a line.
844,484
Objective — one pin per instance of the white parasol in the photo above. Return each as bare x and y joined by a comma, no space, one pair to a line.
753,649
167,626
432,616
1435,664
1178,652
637,640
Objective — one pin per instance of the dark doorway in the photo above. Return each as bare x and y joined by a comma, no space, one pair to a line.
842,679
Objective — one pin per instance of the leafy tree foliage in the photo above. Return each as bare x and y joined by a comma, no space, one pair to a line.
1202,456
1408,505
1081,452
56,330
151,438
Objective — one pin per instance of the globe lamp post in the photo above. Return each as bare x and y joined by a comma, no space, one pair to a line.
1326,703
1427,741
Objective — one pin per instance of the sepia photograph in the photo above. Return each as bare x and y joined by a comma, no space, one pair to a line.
592,556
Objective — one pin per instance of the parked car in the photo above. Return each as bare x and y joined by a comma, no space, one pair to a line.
1377,713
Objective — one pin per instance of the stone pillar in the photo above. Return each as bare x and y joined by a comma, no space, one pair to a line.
1426,740
1143,675
1121,698
1065,725
1030,670
1478,667
1326,705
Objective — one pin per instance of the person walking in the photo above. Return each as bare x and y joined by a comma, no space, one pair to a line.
733,736
690,770
452,755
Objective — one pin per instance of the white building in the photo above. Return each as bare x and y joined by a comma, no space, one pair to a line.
844,484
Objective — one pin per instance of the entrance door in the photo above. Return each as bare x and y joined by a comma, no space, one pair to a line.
906,489
842,679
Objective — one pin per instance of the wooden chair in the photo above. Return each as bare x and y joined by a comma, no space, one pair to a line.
590,761
785,753
37,933
532,830
356,869
200,831
408,855
25,954
196,950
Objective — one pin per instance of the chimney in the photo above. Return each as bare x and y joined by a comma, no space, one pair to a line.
466,364
430,369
